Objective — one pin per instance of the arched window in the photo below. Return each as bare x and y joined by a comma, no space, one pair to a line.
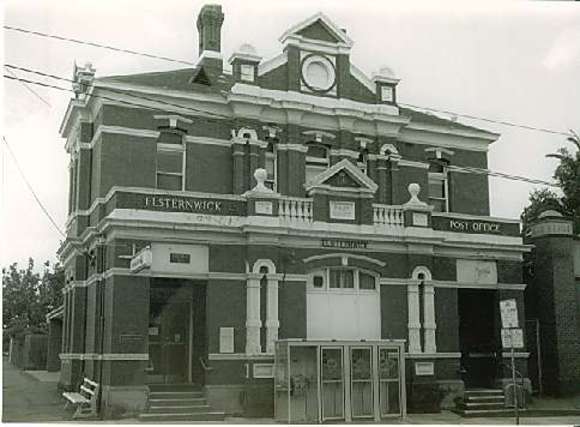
317,160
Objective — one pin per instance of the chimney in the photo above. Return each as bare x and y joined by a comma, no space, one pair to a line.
209,26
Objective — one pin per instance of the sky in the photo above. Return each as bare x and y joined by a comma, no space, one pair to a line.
512,61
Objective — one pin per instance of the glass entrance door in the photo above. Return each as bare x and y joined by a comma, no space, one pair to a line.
361,382
389,381
332,383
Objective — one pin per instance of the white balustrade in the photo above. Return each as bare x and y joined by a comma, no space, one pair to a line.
387,215
295,209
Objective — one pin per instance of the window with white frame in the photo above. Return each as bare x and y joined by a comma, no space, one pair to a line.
317,160
247,72
438,187
271,164
170,167
343,278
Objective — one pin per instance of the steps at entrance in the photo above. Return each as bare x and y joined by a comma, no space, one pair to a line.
482,403
178,402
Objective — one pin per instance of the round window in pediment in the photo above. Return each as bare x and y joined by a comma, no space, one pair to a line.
318,73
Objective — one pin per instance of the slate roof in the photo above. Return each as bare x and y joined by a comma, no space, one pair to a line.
180,80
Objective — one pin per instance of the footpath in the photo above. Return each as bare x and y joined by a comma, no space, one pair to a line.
33,397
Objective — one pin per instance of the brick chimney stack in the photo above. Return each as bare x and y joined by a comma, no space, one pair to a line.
209,26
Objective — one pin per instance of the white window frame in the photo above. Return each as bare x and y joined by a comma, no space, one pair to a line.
391,93
441,177
172,148
317,163
274,156
247,73
325,273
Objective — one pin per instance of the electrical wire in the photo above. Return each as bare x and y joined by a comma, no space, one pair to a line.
164,58
53,222
99,45
122,92
463,169
30,89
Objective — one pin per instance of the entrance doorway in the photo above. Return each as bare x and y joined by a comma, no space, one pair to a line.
177,338
326,381
478,336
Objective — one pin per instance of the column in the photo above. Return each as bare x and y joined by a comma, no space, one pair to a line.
272,322
429,326
414,324
381,172
253,323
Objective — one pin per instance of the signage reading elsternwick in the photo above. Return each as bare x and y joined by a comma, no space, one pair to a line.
344,244
170,203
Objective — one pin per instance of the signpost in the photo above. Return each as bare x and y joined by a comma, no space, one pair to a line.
511,337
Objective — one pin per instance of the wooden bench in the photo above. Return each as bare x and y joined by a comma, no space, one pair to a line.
85,401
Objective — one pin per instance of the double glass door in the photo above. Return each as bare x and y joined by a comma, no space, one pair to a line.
360,382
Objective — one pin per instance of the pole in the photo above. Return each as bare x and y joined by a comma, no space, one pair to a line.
516,404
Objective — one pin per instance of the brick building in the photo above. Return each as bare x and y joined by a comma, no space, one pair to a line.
226,217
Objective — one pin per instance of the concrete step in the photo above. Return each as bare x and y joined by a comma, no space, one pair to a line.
480,405
175,394
472,413
163,409
483,392
195,401
483,399
174,387
192,416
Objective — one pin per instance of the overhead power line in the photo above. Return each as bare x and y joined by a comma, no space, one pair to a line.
122,92
30,89
180,61
464,169
99,45
53,222
499,122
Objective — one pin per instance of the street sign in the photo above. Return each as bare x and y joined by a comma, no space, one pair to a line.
512,338
509,313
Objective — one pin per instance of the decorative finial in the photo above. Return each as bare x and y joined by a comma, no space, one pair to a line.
260,175
414,190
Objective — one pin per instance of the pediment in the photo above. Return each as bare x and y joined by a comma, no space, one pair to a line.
343,176
318,27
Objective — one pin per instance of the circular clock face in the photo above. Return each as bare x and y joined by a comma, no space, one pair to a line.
318,73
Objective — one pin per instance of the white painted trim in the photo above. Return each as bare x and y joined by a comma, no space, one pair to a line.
121,130
342,255
272,64
443,355
520,355
295,147
240,356
344,152
104,356
358,74
363,179
413,164
174,117
334,29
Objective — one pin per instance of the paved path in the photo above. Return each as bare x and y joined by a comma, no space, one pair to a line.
25,398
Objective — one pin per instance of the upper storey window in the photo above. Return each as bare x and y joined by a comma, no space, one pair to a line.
271,166
438,187
170,167
247,72
363,160
317,160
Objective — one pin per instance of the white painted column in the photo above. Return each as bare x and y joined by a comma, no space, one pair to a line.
272,322
429,325
414,324
253,322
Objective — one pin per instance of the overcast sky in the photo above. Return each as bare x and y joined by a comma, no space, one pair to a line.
512,61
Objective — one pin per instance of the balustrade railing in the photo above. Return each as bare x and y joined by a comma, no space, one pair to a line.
295,209
387,215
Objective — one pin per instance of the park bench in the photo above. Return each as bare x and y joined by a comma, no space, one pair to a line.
85,400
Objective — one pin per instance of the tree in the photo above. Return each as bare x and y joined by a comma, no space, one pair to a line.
567,176
28,297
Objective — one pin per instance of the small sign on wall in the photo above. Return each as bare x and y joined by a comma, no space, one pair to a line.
263,370
342,210
509,313
263,207
227,340
424,368
512,338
